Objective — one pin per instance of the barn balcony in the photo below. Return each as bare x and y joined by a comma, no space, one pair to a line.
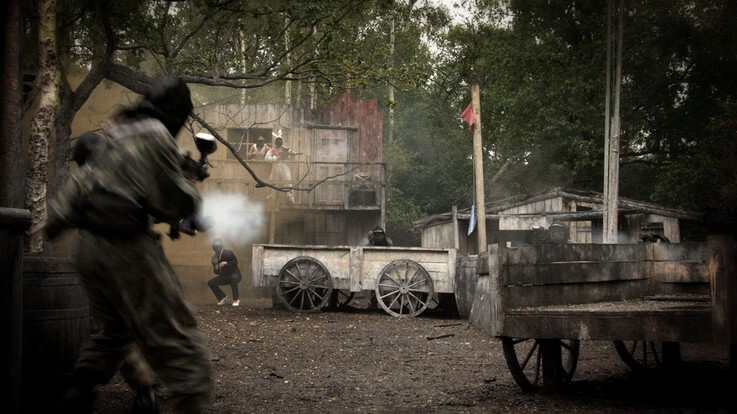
337,185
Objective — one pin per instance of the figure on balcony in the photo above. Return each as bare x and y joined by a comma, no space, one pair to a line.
280,175
258,150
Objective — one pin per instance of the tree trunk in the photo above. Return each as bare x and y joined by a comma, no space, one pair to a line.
288,61
71,101
390,99
242,49
43,122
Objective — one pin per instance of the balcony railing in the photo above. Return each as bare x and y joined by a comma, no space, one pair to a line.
338,185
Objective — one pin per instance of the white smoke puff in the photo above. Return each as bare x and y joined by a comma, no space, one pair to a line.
236,220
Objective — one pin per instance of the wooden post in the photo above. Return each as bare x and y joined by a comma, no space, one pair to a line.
456,236
478,168
11,196
552,365
272,227
720,251
612,195
382,186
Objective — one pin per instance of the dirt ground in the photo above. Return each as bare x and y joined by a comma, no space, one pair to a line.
358,360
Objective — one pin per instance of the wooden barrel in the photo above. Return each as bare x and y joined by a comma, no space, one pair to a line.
56,321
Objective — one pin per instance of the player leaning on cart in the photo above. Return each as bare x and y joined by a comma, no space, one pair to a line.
225,266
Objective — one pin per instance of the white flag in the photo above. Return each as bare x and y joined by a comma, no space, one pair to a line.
472,220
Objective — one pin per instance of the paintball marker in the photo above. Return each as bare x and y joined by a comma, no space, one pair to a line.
197,170
286,153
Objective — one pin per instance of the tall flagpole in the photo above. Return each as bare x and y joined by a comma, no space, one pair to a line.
612,195
478,168
607,118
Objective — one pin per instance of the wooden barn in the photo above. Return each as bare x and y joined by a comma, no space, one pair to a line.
520,219
340,145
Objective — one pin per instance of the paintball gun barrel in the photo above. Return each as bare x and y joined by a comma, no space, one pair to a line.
197,170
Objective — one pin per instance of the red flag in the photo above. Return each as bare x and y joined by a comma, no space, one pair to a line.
468,116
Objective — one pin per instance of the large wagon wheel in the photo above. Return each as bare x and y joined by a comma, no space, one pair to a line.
524,360
304,284
340,298
404,288
640,356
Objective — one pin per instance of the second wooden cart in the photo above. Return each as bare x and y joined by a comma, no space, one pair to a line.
541,300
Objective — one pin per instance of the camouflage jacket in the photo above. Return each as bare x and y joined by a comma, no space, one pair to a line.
136,176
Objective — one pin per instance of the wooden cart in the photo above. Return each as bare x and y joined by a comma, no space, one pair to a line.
541,300
404,279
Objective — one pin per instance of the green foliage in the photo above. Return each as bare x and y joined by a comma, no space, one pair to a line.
541,67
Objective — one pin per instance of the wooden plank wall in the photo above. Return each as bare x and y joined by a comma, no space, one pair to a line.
348,110
679,268
540,275
438,236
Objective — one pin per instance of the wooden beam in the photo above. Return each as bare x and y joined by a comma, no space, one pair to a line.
340,127
456,236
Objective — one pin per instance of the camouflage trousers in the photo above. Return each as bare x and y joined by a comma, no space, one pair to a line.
138,304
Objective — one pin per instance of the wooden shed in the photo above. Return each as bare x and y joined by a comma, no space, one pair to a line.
341,144
518,219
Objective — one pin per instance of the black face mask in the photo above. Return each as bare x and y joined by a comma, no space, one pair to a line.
168,100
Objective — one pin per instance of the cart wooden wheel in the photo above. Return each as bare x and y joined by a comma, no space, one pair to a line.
341,298
644,355
524,360
304,284
404,288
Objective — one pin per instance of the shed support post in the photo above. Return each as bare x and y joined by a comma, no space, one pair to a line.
456,237
272,228
552,361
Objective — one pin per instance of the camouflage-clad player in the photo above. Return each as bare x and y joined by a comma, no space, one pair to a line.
135,370
137,298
